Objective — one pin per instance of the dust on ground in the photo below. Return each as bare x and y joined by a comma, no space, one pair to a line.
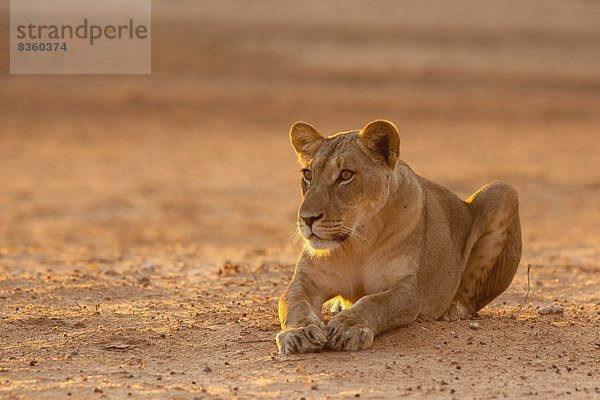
146,223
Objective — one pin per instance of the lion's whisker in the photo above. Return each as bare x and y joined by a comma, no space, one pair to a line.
294,238
353,235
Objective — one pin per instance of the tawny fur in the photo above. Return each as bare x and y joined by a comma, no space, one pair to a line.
391,243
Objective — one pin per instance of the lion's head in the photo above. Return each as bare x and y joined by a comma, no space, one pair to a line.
345,179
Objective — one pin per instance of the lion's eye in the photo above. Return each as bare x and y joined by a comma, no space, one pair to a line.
307,175
346,175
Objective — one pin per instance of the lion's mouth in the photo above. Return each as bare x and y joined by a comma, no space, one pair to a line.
314,236
337,237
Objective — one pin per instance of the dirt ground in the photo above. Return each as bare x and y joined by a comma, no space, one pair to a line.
146,222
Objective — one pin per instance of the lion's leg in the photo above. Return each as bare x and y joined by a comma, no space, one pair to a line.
355,327
493,248
302,330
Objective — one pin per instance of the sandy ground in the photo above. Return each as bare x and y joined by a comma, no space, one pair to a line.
146,221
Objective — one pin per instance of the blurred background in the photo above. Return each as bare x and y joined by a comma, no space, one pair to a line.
197,152
146,221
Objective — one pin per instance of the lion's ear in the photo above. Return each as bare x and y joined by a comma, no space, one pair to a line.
306,140
382,140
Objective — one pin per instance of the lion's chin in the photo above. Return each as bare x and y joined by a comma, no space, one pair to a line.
319,244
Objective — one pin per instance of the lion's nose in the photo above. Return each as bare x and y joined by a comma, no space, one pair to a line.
311,220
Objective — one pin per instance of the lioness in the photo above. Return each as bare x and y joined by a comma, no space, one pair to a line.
388,242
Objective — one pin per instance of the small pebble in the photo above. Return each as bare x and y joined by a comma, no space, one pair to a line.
473,325
149,267
553,309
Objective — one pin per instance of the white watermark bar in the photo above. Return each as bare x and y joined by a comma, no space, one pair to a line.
80,36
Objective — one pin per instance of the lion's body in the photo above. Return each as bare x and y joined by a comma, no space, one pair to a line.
391,242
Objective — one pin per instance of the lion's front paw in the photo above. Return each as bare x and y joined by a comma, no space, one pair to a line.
301,340
347,337
456,312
